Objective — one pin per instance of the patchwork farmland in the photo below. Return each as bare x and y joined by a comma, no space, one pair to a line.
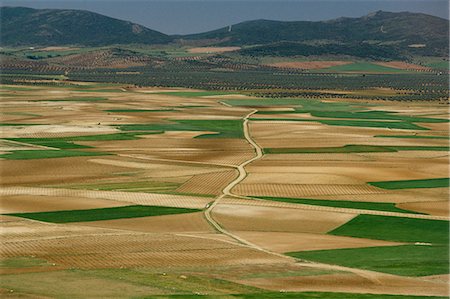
169,193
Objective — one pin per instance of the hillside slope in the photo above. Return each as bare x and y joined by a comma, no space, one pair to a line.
410,32
27,26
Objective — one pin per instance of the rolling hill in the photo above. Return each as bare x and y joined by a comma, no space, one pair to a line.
378,35
414,33
48,27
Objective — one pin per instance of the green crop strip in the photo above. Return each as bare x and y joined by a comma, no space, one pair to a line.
398,229
67,142
103,214
225,128
406,260
376,206
47,154
411,184
352,123
353,148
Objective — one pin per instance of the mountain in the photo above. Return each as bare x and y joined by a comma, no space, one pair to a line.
377,35
27,26
411,32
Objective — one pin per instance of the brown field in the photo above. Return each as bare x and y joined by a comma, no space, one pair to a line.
404,65
36,203
235,244
184,223
308,65
289,242
254,218
351,283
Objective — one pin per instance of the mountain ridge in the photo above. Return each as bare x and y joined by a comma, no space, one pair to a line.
28,26
402,33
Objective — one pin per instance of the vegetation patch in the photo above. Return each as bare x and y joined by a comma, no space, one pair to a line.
47,154
50,142
377,206
225,128
353,123
398,229
406,260
121,283
411,184
353,148
22,262
382,115
68,142
134,211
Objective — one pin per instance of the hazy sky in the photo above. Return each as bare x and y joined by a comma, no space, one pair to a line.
193,16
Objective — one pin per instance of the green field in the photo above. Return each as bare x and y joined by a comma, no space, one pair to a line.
353,148
47,154
352,123
397,229
339,114
407,260
50,142
411,184
225,128
102,214
377,206
22,262
439,65
68,142
381,115
118,283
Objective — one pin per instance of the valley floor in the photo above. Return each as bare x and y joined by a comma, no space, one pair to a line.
116,192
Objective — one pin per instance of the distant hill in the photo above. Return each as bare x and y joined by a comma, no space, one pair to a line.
378,35
413,33
27,26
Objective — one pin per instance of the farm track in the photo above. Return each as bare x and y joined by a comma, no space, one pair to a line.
226,191
373,276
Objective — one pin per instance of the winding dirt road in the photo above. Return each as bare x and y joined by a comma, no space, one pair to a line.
376,278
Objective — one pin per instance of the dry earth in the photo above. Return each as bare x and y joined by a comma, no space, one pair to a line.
182,170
